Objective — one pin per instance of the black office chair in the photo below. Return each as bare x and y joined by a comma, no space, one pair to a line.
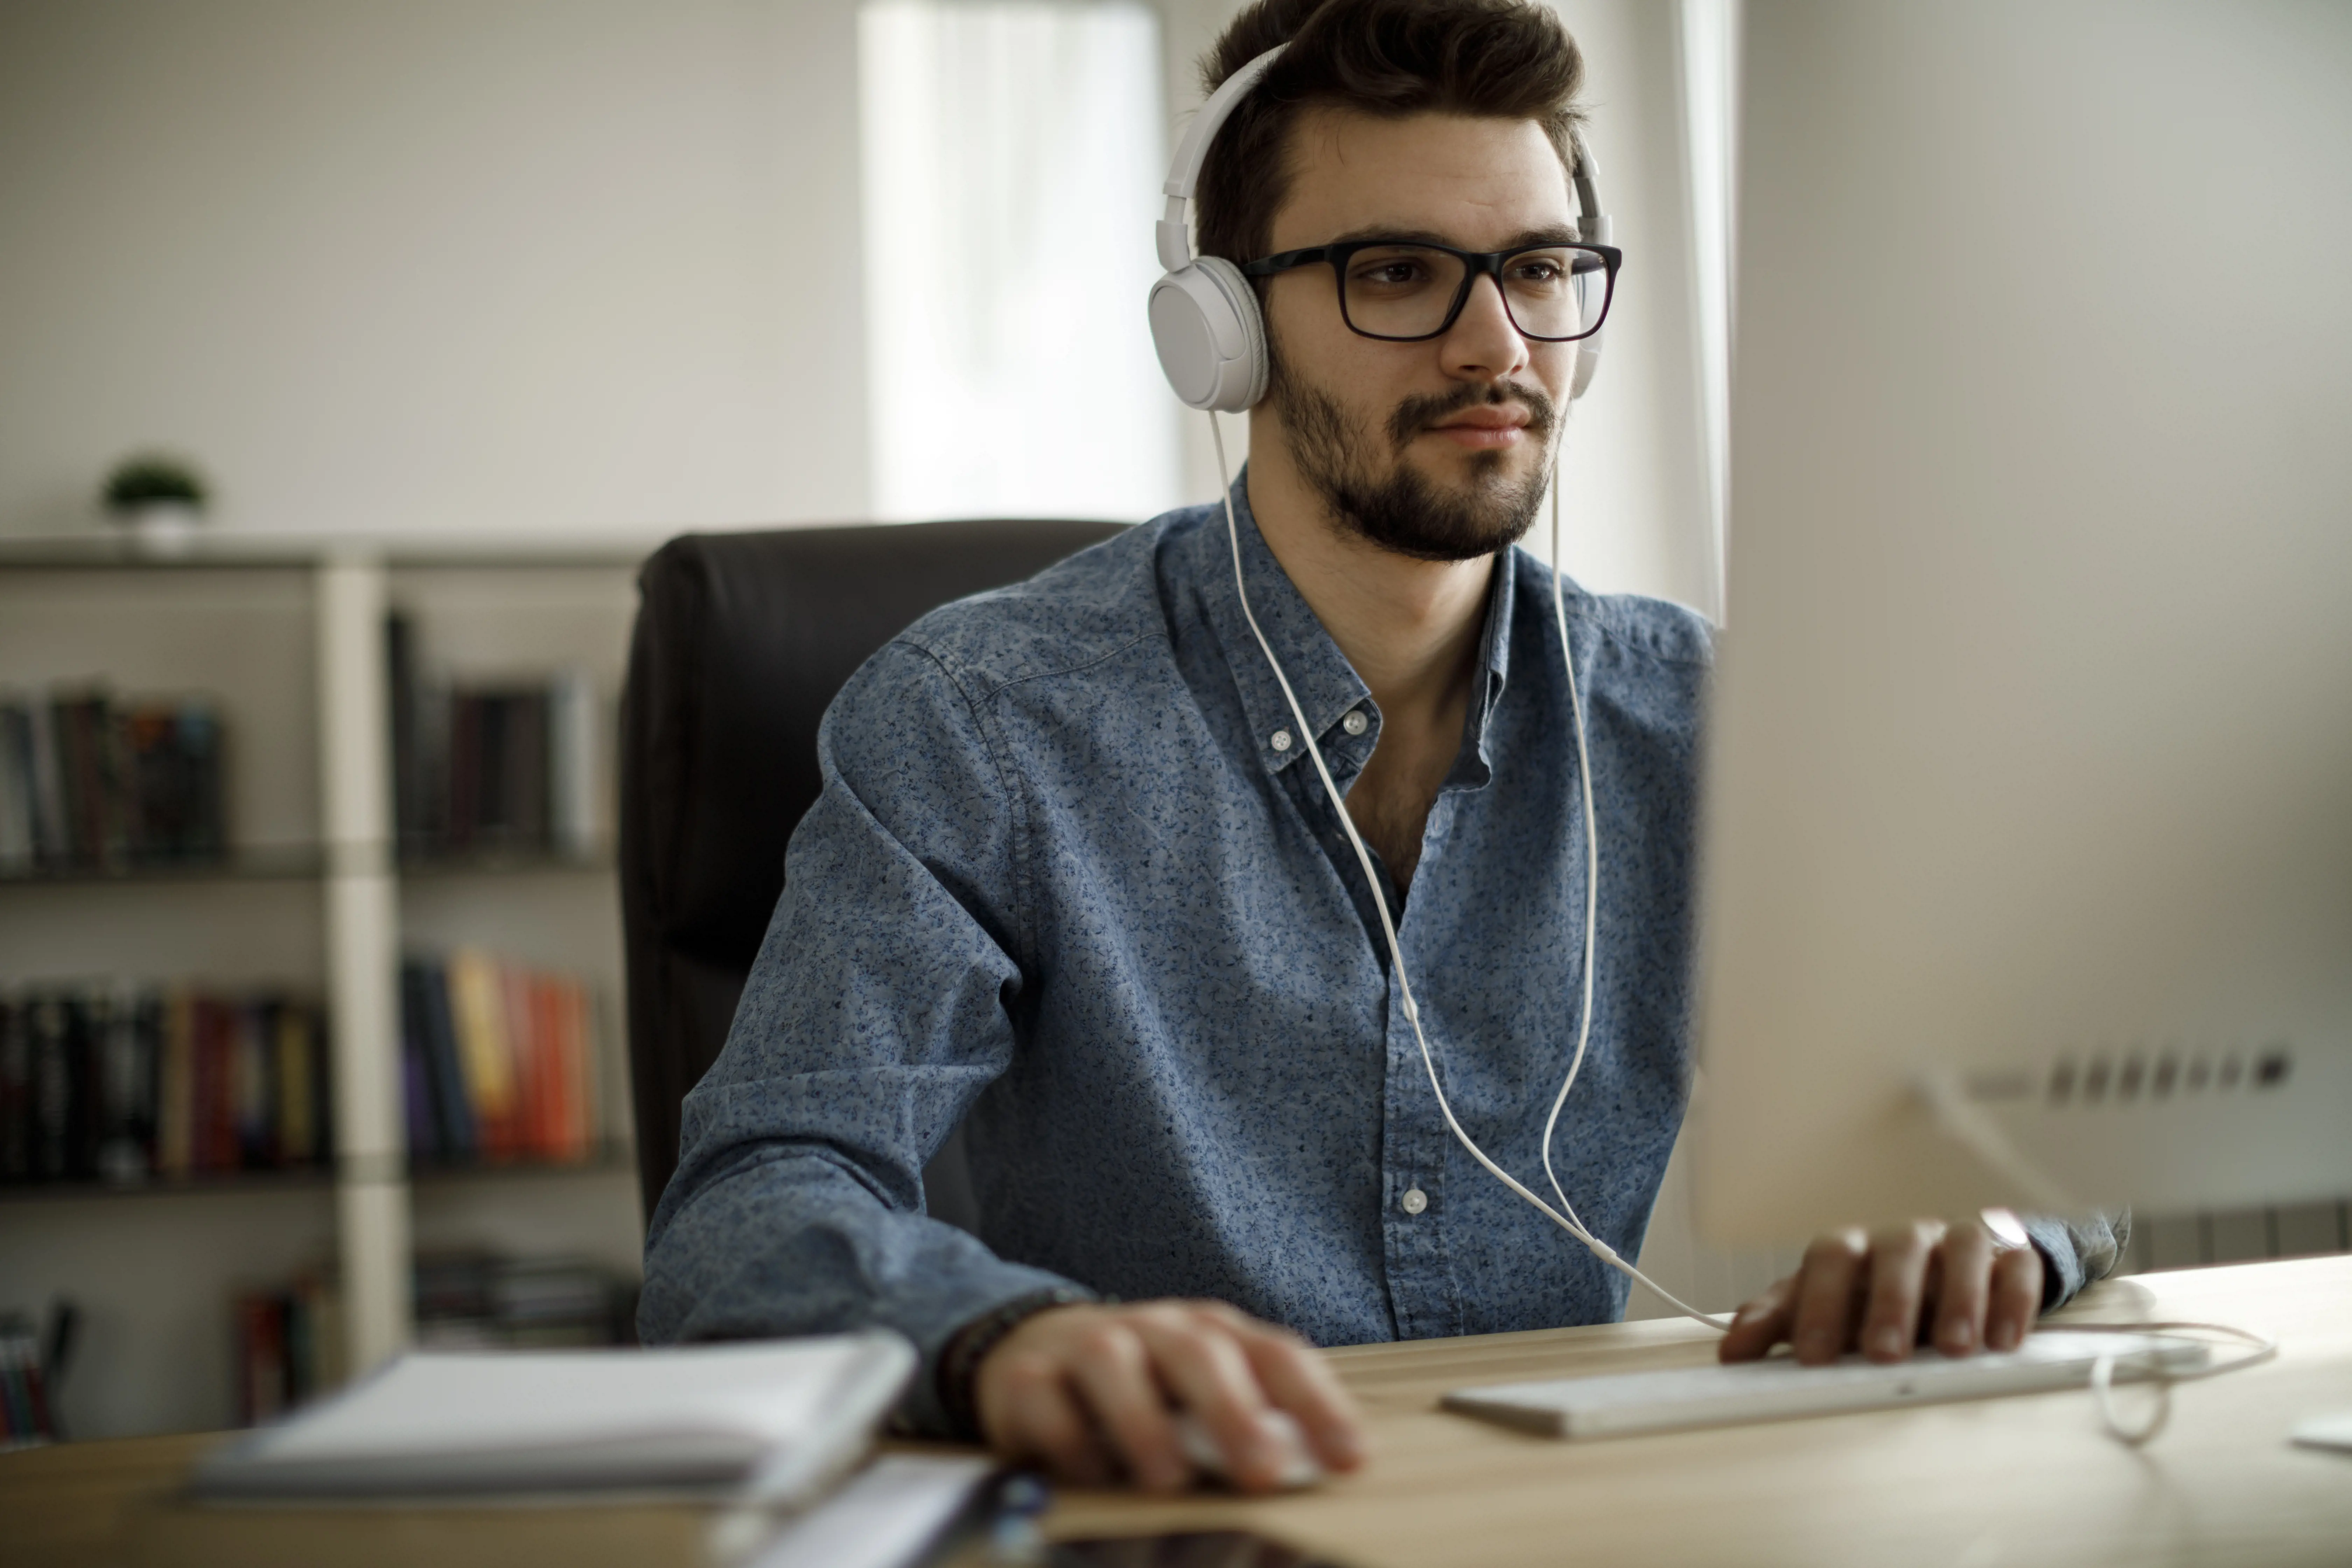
742,641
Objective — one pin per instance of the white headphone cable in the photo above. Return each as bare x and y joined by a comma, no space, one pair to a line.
1564,1216
1593,852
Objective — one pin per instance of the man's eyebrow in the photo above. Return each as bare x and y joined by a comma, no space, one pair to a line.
1558,234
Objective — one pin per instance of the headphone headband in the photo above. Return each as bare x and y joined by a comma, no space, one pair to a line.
1175,240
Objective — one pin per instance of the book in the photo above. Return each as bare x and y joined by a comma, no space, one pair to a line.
124,1082
485,1049
301,1113
124,1052
16,1091
50,1108
52,841
507,766
573,737
497,1061
425,1145
175,1087
19,851
776,1422
92,782
404,709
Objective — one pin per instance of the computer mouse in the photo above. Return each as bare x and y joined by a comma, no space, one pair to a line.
1300,1468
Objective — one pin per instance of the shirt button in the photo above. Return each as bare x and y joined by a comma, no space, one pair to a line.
1355,723
1282,740
1415,1200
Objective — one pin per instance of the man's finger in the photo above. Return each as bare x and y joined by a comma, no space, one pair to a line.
1204,1368
1300,1381
1037,1416
1760,1324
1960,1303
1826,1290
1898,1269
2015,1297
1114,1372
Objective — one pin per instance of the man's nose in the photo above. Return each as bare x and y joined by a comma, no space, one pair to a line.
1483,344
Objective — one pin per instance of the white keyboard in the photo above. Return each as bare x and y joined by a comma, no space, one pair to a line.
1779,1389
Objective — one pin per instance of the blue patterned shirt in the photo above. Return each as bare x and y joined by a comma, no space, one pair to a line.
1072,882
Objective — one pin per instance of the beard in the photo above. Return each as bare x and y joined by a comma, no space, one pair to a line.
1394,505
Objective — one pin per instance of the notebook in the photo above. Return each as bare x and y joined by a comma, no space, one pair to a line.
774,1422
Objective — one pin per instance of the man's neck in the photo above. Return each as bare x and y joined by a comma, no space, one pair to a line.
1410,627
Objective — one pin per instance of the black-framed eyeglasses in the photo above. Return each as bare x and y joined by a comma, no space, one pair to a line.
1405,290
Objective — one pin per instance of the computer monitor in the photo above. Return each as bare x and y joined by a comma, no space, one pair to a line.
2027,857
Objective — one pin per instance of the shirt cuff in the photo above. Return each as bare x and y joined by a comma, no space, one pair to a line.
2075,1253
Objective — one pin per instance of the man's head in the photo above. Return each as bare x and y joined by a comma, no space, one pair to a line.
1441,119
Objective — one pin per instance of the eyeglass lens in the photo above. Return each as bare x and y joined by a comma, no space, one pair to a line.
1405,290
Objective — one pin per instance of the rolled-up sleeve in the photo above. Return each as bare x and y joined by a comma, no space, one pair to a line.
2077,1252
880,1005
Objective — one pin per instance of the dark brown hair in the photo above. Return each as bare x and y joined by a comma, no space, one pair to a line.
1506,59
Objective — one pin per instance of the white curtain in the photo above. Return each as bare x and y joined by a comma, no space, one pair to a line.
1012,157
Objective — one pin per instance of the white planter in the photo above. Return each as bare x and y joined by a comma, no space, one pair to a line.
162,528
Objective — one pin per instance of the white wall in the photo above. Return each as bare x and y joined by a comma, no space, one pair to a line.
536,265
588,266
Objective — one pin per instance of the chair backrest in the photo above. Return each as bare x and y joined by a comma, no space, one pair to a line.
742,641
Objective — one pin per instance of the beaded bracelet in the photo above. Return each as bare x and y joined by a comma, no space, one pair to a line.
969,1346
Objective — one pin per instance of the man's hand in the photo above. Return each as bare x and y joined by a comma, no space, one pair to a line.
1977,1284
1092,1391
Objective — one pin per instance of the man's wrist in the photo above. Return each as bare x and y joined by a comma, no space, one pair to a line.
959,1368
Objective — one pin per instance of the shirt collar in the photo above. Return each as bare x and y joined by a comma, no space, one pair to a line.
1326,685
1472,768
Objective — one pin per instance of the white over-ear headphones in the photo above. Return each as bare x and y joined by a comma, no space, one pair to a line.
1205,321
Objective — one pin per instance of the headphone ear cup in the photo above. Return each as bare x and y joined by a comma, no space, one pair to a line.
1209,336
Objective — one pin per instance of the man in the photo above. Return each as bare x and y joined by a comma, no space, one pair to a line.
1071,880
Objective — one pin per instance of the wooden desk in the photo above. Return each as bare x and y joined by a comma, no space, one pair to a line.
2008,1481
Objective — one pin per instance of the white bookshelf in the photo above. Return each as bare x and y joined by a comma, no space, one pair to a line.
287,634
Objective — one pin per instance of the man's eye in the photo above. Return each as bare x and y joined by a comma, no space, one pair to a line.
1392,274
1539,270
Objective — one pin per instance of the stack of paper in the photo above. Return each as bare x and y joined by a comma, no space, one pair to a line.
772,1423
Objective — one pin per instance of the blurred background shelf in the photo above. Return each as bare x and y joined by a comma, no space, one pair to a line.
287,640
302,862
607,1160
292,862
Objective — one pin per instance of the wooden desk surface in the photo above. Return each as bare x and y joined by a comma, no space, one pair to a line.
2022,1480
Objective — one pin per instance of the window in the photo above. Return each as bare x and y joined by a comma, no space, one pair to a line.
1012,159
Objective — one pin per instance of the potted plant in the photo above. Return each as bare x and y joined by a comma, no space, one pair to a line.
159,498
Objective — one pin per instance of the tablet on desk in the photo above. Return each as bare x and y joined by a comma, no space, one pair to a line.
1778,1388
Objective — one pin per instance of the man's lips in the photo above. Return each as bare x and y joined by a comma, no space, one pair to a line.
1485,428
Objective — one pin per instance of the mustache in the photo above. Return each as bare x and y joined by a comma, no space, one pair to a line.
1421,411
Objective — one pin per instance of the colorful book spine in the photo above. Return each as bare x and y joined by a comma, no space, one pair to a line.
512,1045
486,1048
